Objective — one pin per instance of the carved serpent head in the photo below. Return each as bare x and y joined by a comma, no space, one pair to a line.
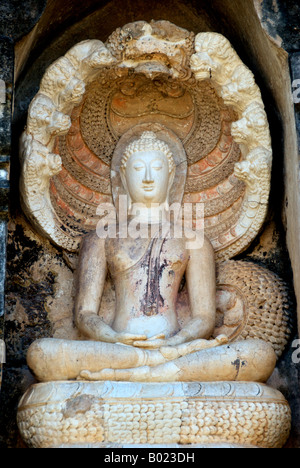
255,170
253,127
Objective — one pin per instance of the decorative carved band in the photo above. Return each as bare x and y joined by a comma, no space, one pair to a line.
193,413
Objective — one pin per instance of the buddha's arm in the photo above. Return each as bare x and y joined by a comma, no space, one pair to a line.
91,275
201,284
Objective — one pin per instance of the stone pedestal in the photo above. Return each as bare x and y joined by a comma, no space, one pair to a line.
124,414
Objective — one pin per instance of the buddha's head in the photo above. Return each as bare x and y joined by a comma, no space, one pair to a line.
147,170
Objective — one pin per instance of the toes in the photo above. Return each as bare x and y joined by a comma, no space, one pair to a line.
86,375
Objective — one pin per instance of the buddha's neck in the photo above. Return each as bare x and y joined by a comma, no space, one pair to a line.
155,214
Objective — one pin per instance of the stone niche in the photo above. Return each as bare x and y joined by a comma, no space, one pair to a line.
40,270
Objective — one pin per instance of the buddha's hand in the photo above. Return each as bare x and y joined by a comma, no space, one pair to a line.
175,352
129,338
156,342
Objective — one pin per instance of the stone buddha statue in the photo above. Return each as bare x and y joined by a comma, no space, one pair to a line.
144,341
152,364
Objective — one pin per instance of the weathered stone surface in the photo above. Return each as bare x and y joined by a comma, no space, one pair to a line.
81,359
6,98
295,75
3,235
6,81
167,413
36,275
237,21
281,21
17,18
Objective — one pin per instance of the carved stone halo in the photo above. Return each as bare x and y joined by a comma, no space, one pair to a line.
196,86
175,145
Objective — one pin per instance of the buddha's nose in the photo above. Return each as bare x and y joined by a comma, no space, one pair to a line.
148,176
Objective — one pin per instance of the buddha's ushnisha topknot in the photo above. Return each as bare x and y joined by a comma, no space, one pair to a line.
148,141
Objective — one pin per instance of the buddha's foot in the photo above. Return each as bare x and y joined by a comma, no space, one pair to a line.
249,360
170,353
105,374
140,374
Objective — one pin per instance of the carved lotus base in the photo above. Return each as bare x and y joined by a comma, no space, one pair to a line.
141,414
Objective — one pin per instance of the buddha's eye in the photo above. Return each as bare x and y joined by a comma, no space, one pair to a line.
138,167
157,167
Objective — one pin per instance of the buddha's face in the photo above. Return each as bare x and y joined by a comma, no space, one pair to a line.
147,177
